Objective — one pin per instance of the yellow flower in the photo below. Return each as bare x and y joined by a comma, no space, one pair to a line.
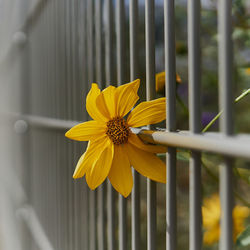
160,81
211,212
247,71
112,147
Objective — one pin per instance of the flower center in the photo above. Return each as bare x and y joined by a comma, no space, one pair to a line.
118,130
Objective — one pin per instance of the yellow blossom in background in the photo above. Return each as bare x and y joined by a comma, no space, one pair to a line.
112,147
247,71
211,213
160,81
240,213
211,219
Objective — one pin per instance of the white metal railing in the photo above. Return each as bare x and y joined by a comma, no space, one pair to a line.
69,45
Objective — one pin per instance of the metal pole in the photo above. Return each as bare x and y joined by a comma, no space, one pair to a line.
109,74
85,195
169,35
194,62
135,215
90,51
120,42
99,77
226,122
150,82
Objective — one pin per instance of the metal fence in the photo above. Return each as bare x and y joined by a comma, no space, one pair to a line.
61,48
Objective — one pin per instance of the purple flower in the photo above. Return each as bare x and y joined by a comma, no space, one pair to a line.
207,117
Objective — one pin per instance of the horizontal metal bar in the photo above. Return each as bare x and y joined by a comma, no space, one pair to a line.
234,146
44,122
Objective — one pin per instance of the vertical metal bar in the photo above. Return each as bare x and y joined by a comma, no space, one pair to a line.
171,240
122,223
69,92
90,41
133,14
225,65
92,220
111,217
150,81
108,40
99,76
133,29
79,70
52,148
226,200
63,108
109,73
169,37
76,103
150,48
98,41
120,36
92,194
84,81
194,62
195,219
58,114
101,218
151,215
25,144
120,41
226,122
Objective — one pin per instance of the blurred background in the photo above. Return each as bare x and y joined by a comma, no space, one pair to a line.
45,68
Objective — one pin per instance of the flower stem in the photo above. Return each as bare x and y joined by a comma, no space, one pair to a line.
183,105
212,122
245,93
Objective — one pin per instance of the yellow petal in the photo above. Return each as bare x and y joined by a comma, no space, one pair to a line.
106,102
90,157
211,211
148,113
79,170
212,236
146,163
247,71
178,78
160,81
100,170
136,141
91,104
86,131
120,174
127,97
240,212
210,219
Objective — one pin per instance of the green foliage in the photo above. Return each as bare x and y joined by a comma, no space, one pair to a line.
244,238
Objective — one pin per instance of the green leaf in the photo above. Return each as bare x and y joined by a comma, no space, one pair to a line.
244,238
183,156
